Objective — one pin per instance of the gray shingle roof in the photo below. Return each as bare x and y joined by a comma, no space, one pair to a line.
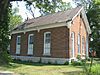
51,18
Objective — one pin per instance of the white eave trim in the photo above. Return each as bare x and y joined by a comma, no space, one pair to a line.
40,27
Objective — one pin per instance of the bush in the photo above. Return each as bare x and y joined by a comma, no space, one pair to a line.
77,63
66,63
79,57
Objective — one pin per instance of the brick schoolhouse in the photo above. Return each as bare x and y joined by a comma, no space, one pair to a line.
57,37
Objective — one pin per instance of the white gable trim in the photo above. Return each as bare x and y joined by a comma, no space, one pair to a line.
82,11
77,14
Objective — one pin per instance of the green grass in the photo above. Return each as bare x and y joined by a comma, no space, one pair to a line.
25,68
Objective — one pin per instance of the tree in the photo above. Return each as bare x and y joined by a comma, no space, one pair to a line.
4,30
93,15
47,6
15,19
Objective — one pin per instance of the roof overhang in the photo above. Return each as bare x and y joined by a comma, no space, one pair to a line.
40,27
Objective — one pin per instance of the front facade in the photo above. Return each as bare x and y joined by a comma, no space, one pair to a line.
52,38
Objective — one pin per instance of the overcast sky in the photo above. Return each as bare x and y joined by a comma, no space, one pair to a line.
24,13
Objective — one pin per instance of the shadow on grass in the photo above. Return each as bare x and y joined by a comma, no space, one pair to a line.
11,66
72,73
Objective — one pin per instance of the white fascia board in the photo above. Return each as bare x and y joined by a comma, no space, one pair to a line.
39,27
86,21
77,14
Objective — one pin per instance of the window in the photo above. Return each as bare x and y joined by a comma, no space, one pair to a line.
18,40
72,44
87,46
47,43
78,43
30,44
18,43
83,42
31,39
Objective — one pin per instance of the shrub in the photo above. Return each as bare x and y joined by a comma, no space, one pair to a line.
49,63
79,57
77,63
66,63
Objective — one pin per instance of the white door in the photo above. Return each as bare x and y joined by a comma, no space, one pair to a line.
72,42
18,42
30,44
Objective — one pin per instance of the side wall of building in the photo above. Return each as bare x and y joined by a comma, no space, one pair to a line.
78,27
59,43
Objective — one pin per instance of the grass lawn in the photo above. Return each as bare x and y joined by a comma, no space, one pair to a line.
24,68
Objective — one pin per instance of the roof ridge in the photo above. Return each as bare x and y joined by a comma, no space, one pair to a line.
52,14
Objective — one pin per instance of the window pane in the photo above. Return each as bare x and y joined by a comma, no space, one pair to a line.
78,42
48,35
18,40
47,41
31,39
83,40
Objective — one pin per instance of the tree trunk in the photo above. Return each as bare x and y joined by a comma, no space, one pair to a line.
4,30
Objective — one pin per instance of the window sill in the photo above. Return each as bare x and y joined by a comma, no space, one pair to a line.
29,54
17,53
46,54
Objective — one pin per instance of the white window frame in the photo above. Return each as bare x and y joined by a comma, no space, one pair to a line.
45,51
83,45
79,43
72,44
18,46
87,47
30,46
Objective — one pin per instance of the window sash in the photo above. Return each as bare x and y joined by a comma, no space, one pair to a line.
18,43
18,40
78,43
47,42
31,39
73,44
83,44
30,44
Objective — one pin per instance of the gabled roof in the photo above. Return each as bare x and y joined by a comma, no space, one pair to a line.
63,16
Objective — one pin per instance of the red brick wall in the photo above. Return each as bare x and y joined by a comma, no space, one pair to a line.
59,42
78,27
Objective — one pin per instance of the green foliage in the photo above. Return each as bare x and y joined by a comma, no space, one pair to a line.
95,69
15,19
4,31
79,56
66,63
47,6
76,63
93,15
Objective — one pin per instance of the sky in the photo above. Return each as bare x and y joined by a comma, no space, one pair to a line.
25,13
